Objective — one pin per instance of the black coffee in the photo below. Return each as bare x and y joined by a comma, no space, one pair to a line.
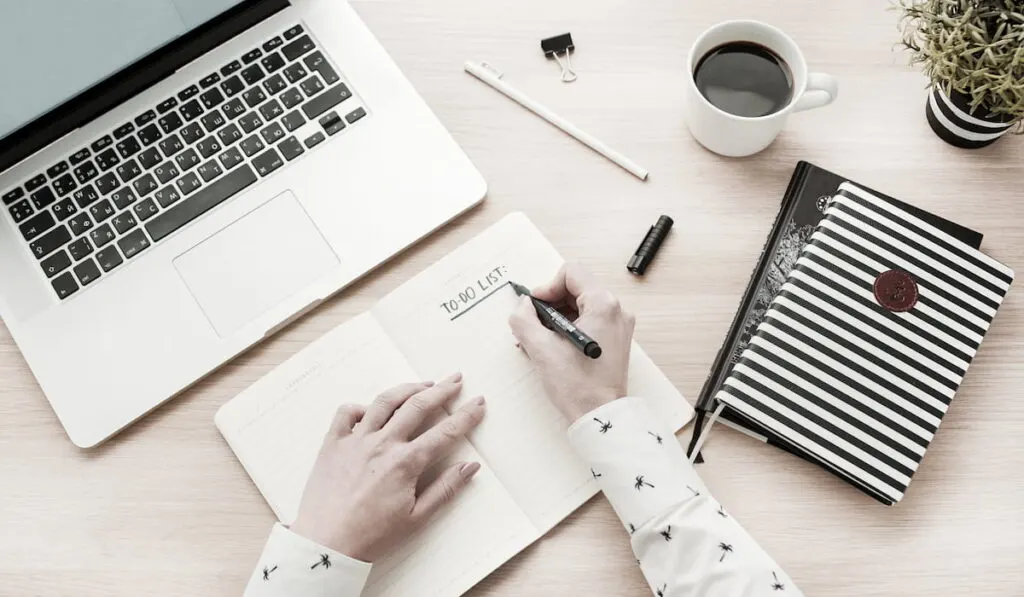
745,79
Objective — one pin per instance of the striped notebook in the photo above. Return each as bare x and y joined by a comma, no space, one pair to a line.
866,345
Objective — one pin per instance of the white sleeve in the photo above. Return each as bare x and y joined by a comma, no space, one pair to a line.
685,541
292,566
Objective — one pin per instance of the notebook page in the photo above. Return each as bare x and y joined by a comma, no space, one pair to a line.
454,316
277,425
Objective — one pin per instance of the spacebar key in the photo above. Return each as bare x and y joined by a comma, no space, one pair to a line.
200,203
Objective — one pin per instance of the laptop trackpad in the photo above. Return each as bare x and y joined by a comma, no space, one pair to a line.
255,263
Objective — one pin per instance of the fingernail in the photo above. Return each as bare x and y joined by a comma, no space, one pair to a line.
469,469
479,401
428,384
454,378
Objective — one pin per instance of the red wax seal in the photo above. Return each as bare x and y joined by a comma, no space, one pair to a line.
896,290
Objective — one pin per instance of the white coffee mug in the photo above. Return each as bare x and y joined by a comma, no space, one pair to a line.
735,136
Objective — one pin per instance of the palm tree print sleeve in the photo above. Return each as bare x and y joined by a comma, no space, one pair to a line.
292,566
686,542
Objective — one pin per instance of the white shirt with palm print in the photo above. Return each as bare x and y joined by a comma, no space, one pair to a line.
685,541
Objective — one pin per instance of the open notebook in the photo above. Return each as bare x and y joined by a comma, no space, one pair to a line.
451,317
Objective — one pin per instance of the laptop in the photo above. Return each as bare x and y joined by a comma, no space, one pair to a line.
182,178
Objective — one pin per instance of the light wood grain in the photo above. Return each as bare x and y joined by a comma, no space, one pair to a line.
165,509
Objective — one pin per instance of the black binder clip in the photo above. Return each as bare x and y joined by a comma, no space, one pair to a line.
557,46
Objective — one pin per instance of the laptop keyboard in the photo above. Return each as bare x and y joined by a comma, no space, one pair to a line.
109,201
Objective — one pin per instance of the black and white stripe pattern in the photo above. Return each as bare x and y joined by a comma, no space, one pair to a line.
950,118
845,381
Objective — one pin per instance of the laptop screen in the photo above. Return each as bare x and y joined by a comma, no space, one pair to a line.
52,50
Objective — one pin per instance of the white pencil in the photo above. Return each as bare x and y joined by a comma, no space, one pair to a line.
487,74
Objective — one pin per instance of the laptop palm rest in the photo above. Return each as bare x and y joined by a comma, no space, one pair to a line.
255,263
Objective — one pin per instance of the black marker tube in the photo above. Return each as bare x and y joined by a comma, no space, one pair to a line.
557,322
645,253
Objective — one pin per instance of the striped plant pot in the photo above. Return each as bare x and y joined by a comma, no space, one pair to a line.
955,124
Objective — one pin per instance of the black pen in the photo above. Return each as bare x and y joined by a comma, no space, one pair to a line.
554,320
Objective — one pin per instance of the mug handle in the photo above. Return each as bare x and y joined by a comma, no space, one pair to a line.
821,91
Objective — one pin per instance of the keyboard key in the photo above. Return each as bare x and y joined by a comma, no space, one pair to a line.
128,147
208,198
80,248
145,118
145,185
107,159
101,211
37,225
271,110
21,210
35,182
65,285
171,102
102,236
272,133
50,242
171,122
187,159
129,170
188,183
86,172
233,86
267,162
234,108
273,44
252,75
293,120
275,84
355,115
150,158
250,57
80,223
79,156
166,196
293,32
312,86
166,172
229,135
123,197
109,258
171,145
297,48
252,145
213,120
250,122
145,210
56,263
231,158
133,244
57,169
64,185
192,133
291,148
123,222
254,97
43,198
314,140
317,62
107,183
231,67
64,209
327,100
295,73
192,110
13,195
85,196
99,145
208,80
291,98
212,98
150,134
123,130
87,272
210,170
208,147
273,62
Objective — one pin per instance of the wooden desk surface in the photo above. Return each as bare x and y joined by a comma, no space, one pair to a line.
165,509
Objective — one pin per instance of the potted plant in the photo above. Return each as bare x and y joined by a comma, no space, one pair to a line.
973,54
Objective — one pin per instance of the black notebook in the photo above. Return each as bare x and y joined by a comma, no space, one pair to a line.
808,195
